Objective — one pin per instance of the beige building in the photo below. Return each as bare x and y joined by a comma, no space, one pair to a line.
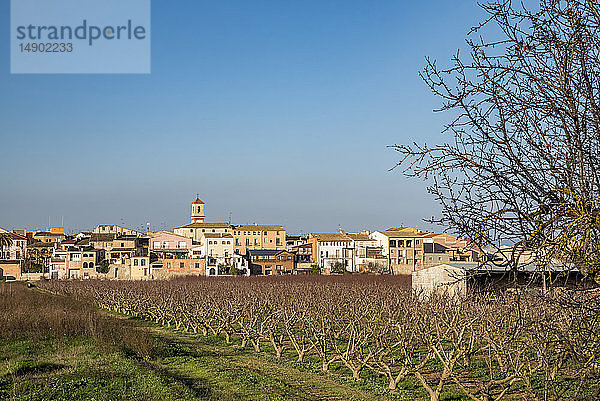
403,248
135,268
258,236
82,263
114,229
55,235
99,241
195,231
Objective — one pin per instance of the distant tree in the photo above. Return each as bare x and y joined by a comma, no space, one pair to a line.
338,268
314,269
5,242
103,266
34,267
224,269
522,160
377,268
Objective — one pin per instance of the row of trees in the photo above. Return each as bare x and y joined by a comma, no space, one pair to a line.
521,346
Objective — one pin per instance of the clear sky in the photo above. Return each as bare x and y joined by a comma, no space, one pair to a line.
279,112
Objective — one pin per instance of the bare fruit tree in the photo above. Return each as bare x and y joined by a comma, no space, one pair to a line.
522,157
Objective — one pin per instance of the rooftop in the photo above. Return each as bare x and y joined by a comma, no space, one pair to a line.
106,237
265,252
360,237
206,225
258,227
401,234
331,237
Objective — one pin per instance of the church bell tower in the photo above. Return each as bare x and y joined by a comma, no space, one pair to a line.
197,211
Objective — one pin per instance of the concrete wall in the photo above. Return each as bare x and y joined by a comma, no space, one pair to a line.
441,279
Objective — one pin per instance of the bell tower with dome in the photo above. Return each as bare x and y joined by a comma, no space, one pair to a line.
197,211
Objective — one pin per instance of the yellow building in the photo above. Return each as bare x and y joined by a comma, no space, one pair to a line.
258,236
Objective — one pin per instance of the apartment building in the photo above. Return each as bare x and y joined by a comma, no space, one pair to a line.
82,263
292,241
268,262
368,255
54,236
114,229
216,248
12,254
195,231
258,236
99,241
404,249
164,244
331,249
17,248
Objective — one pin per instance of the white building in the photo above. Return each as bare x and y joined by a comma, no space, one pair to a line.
58,264
17,248
330,249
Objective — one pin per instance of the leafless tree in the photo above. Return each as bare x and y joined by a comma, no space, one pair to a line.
522,157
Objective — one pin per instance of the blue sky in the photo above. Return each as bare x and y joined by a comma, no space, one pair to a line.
275,111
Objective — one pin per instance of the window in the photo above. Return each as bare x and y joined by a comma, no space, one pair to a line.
197,265
156,244
408,243
182,244
143,262
165,244
135,262
181,265
393,243
145,271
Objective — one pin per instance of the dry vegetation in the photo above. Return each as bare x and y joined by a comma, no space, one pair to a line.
26,313
518,347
